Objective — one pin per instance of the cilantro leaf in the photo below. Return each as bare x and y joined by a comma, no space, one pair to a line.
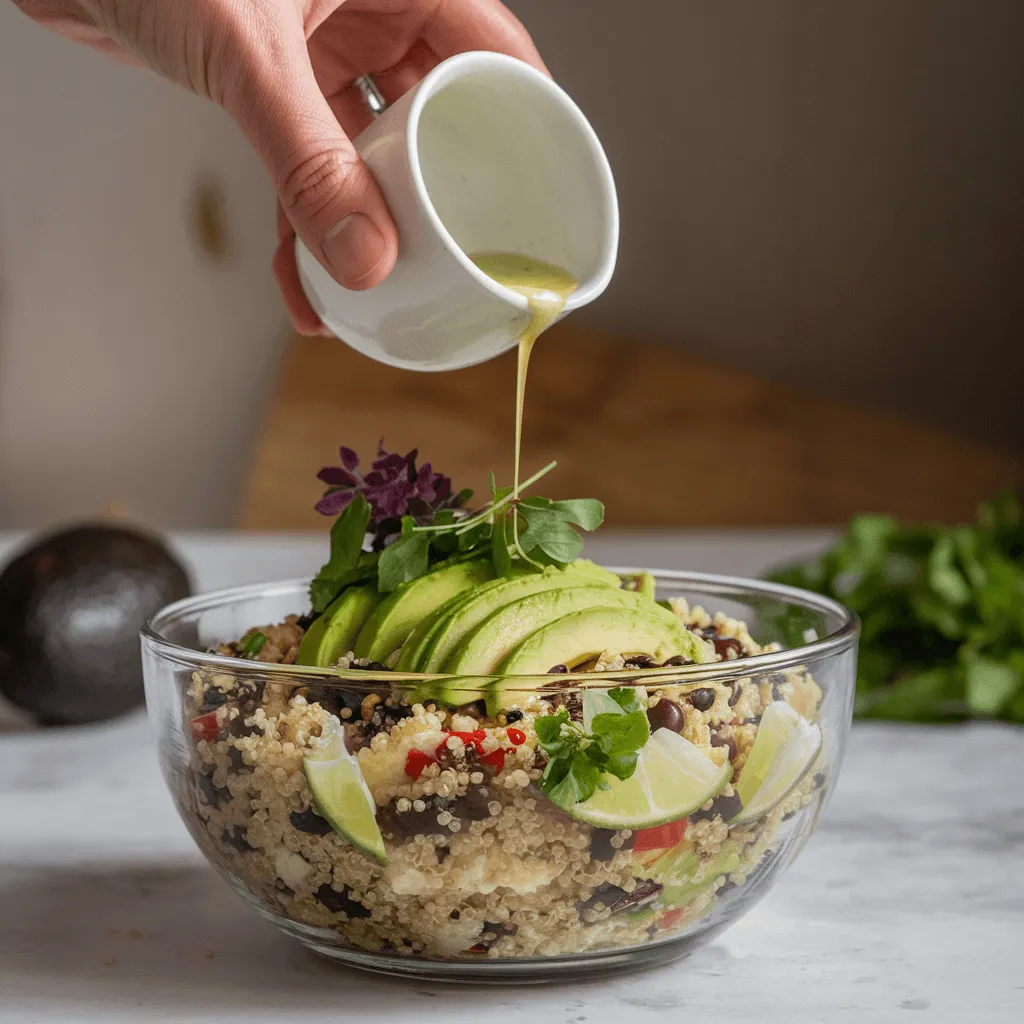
942,613
579,763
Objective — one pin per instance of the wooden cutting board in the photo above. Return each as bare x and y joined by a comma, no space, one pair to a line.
663,437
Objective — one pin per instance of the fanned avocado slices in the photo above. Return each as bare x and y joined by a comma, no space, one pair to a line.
395,618
334,634
484,601
485,649
575,638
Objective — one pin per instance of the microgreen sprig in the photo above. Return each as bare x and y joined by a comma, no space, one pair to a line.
378,539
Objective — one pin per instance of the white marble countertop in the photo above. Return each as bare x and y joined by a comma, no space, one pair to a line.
908,903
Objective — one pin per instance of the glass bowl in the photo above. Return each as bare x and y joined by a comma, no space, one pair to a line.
440,855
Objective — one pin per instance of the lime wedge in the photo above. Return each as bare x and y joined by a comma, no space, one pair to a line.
672,778
784,748
344,799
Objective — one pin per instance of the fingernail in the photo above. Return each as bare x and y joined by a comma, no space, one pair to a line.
353,248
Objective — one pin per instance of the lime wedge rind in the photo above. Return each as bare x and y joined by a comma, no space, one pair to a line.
343,798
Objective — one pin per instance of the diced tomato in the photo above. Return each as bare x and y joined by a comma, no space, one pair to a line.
516,737
415,762
661,837
204,727
673,917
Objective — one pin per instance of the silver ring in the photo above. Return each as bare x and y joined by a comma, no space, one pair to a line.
372,96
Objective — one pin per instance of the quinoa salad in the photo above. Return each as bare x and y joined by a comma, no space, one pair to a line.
477,746
477,861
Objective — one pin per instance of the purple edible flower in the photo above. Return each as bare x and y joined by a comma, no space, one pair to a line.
393,486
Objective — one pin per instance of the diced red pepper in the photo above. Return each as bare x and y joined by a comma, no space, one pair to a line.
473,740
415,762
495,759
204,727
516,737
661,837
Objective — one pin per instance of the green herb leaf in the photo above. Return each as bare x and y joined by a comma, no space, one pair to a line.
990,685
580,762
405,560
254,644
347,536
586,513
942,613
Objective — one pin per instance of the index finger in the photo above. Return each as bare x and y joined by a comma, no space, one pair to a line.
462,25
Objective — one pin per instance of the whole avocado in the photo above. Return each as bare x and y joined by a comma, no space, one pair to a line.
71,607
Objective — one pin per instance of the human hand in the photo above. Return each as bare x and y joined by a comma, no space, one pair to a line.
283,70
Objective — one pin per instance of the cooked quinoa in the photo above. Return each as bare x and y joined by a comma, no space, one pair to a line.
479,862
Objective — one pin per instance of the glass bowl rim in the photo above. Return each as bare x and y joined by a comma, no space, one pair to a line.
840,640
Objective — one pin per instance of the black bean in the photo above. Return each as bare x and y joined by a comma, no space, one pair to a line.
639,661
213,698
777,681
818,780
238,728
406,824
472,806
236,837
311,822
497,930
601,848
214,794
333,700
723,644
702,699
513,716
726,807
718,740
238,765
558,670
615,899
737,692
341,902
666,714
676,659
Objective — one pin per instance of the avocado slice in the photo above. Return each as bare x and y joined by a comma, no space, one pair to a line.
576,637
485,648
641,583
675,871
334,634
399,613
413,648
484,601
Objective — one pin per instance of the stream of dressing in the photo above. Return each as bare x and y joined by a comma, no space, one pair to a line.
546,288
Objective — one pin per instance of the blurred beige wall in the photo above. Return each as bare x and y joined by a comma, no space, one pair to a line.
134,363
828,191
825,191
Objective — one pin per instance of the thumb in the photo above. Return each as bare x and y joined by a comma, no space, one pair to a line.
327,193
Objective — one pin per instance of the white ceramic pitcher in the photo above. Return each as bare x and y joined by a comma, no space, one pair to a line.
485,154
